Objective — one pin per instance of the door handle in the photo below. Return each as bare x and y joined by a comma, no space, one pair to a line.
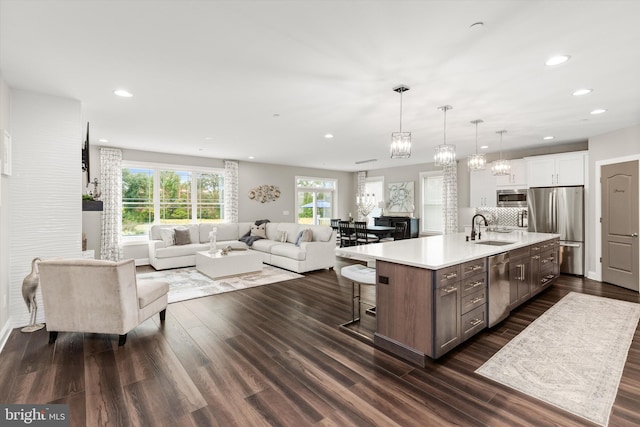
573,245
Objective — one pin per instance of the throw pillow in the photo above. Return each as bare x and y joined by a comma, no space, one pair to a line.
259,230
305,235
167,236
183,236
283,237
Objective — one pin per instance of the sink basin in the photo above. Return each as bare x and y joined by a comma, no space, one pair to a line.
493,242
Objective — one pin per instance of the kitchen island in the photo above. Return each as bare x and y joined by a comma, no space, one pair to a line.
433,293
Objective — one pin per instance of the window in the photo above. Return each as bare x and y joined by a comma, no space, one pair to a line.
158,194
431,191
315,200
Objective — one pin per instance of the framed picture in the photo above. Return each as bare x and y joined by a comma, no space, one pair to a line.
401,197
5,154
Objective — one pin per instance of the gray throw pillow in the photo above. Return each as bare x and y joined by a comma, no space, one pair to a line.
183,237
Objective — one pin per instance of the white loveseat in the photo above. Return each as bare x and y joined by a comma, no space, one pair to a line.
307,256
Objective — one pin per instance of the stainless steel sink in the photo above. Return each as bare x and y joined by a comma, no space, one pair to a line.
493,242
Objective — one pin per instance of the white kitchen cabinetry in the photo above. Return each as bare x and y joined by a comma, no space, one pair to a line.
556,169
483,189
517,178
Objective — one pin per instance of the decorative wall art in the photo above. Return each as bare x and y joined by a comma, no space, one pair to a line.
401,197
265,193
5,155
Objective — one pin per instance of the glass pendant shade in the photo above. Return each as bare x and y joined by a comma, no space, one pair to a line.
501,167
445,153
400,145
400,141
476,162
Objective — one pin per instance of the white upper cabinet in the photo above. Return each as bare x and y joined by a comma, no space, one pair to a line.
517,178
556,169
483,189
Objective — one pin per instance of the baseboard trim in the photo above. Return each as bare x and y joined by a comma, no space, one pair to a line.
5,332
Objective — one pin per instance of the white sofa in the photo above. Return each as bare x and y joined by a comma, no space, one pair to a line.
308,256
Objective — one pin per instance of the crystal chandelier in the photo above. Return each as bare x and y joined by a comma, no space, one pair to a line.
445,153
400,141
476,162
365,204
501,167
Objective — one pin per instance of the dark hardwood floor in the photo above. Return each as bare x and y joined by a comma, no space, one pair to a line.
274,355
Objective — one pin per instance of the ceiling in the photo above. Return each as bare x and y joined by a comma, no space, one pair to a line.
269,79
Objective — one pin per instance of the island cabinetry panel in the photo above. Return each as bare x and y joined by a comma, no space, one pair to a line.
545,264
447,310
519,276
473,322
404,309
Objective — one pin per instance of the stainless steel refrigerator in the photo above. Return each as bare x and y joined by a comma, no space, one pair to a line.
560,210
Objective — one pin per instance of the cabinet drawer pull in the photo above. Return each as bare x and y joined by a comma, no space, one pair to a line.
475,322
449,276
475,300
450,289
536,257
474,285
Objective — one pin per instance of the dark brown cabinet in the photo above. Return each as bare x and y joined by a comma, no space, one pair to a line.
446,310
519,276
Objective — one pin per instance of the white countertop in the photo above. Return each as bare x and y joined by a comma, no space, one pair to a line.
435,252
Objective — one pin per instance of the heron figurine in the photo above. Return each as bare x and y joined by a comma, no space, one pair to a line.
29,287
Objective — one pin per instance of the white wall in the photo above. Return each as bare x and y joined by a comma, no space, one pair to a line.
5,322
46,210
619,146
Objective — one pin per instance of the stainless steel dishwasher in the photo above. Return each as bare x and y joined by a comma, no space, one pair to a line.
498,288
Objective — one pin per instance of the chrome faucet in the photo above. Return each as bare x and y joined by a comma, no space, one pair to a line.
473,226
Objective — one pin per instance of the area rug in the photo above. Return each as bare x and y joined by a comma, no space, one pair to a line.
188,283
572,356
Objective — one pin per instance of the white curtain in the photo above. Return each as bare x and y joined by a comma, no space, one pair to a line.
450,198
111,183
230,191
362,180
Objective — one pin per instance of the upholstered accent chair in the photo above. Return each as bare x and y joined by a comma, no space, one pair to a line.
95,296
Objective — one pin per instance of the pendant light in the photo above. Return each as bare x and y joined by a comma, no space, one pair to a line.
445,153
501,167
476,162
400,141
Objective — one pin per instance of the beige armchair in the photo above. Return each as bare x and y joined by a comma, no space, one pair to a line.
86,295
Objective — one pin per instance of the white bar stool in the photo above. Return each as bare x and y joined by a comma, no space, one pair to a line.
359,275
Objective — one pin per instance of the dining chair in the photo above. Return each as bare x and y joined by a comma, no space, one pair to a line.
347,236
335,224
362,237
399,233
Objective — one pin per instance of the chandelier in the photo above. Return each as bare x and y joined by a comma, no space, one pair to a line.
400,141
476,162
365,204
445,153
501,167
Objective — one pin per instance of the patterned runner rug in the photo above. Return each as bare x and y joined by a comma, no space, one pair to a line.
188,283
572,356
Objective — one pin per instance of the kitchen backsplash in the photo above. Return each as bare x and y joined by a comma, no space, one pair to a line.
501,216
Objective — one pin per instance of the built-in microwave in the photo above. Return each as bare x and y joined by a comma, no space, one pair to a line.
512,198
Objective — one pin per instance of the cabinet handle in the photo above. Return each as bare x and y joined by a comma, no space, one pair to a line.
475,322
475,300
477,267
449,276
474,285
536,257
449,289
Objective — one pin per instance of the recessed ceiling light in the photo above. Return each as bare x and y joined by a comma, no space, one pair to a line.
484,147
598,111
581,92
557,60
251,157
548,137
328,135
123,93
103,140
207,138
